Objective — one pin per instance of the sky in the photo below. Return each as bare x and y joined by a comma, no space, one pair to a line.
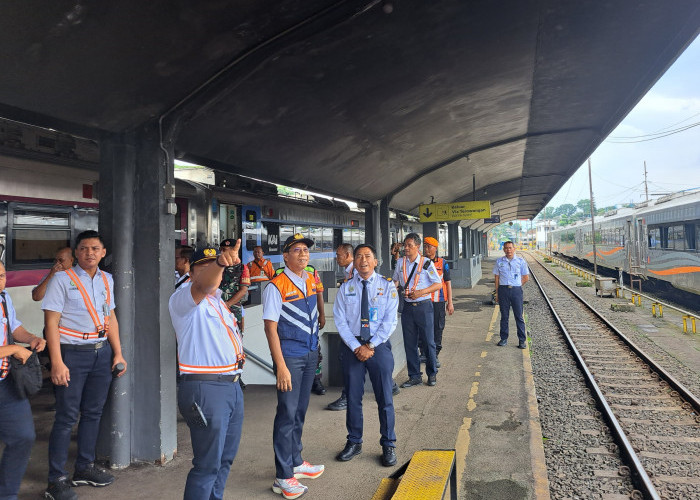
673,162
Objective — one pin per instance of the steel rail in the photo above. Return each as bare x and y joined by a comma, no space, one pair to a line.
682,391
640,476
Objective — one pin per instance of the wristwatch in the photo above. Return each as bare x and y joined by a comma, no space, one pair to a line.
370,345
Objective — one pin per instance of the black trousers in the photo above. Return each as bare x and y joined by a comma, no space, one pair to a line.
439,313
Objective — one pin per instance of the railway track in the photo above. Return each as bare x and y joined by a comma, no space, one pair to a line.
655,420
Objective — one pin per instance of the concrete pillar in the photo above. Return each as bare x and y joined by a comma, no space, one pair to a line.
453,242
135,192
377,233
430,229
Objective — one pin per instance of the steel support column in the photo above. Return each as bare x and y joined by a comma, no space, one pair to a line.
116,225
141,422
377,233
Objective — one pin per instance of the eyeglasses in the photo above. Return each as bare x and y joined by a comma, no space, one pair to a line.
299,250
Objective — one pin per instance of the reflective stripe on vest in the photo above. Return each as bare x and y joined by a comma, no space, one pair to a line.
299,316
259,273
91,308
416,274
439,267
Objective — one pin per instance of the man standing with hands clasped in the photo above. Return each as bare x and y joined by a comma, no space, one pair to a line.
291,327
365,313
418,279
511,274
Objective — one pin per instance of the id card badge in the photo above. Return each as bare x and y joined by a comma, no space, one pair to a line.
105,309
374,314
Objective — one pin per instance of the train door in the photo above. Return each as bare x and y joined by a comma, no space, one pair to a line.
636,232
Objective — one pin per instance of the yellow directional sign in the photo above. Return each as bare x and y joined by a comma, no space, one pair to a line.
440,212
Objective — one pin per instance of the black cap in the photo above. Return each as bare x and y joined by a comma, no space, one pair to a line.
297,238
231,242
204,254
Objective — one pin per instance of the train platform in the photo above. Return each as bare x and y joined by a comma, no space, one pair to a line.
483,405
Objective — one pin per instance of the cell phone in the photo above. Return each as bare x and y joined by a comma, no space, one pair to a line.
197,415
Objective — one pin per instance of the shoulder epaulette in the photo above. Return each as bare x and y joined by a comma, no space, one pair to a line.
387,278
426,266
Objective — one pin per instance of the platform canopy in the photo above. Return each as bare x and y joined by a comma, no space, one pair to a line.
406,99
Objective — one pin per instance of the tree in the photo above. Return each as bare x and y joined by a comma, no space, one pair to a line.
566,209
547,213
584,206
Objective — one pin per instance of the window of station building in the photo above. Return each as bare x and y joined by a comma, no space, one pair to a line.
347,236
37,235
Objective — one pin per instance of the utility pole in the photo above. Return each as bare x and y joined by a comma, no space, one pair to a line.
646,187
595,252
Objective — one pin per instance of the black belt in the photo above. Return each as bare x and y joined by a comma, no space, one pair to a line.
200,377
508,286
84,347
417,303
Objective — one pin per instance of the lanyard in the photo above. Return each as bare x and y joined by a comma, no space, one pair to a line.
5,365
237,347
101,330
406,277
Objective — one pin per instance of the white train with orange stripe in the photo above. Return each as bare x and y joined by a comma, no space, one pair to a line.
659,240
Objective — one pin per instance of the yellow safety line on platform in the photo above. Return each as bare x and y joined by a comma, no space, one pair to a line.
539,466
462,449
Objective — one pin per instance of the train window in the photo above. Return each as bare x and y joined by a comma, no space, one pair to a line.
31,218
654,237
676,238
327,239
690,237
37,246
361,237
316,235
347,236
285,232
697,236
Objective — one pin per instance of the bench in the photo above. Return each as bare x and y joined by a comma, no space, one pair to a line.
425,476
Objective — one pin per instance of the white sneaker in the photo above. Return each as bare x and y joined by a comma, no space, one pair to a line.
289,488
308,471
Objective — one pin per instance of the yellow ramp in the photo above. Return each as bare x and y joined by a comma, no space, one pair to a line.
427,475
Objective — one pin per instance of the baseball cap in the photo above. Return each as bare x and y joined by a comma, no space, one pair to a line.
297,238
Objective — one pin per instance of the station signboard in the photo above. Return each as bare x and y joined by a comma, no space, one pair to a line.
464,210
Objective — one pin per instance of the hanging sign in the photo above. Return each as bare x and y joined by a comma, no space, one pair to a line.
439,212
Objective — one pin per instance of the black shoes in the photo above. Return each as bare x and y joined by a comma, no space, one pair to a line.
351,450
60,490
502,342
92,476
388,456
411,382
395,388
339,404
317,387
522,345
432,380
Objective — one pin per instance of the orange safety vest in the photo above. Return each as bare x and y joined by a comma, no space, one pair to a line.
259,272
298,322
100,329
439,263
416,274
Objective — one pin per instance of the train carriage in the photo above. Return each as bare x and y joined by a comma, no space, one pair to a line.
658,240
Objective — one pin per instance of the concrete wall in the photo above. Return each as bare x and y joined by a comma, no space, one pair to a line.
466,273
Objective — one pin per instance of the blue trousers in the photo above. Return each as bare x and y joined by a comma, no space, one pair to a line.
17,432
511,298
380,368
85,397
417,322
214,446
291,412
